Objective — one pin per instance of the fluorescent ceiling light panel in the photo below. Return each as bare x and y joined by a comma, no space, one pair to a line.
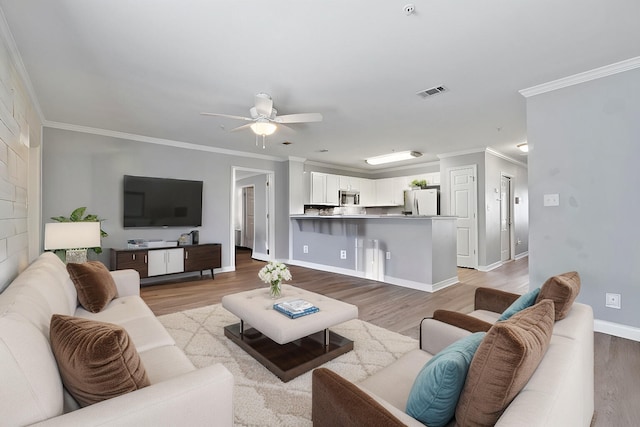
393,157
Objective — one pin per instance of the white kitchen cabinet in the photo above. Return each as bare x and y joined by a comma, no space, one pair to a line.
165,261
390,191
367,192
324,189
350,183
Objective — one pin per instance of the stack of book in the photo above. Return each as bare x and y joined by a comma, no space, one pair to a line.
295,308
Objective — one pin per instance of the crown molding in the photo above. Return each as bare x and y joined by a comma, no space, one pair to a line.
16,59
461,153
507,158
597,73
405,167
158,141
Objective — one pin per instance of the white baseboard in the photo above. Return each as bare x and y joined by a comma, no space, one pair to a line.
617,330
426,287
522,255
490,267
260,256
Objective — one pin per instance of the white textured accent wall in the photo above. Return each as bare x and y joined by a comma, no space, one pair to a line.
19,128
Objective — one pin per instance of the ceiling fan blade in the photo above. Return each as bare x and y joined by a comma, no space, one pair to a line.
241,127
264,104
229,116
299,118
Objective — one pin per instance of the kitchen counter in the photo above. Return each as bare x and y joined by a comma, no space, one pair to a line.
418,252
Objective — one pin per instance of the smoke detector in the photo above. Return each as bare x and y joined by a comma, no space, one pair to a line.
426,93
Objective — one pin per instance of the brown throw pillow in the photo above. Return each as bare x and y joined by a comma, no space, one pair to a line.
562,290
97,360
506,359
94,285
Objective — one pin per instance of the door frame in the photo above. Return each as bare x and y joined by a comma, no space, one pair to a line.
512,208
270,214
244,216
474,193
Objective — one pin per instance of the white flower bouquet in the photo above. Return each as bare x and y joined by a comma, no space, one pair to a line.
273,274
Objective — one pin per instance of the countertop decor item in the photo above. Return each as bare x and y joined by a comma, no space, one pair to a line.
273,274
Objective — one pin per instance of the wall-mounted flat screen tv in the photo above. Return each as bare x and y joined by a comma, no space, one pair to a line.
161,202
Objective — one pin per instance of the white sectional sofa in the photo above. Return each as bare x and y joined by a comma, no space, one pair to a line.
32,393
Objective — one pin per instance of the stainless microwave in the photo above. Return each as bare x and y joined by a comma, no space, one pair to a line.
348,198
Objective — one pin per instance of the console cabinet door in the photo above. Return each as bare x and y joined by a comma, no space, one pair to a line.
165,261
136,260
202,257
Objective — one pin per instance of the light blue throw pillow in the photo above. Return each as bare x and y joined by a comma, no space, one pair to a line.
436,390
524,301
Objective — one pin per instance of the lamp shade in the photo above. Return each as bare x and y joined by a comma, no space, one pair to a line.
71,235
263,127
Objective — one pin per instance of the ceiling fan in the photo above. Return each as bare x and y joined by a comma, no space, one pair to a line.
264,118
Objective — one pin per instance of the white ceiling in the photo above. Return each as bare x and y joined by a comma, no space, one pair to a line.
149,67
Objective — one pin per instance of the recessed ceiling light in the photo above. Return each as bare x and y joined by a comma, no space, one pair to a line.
524,147
393,157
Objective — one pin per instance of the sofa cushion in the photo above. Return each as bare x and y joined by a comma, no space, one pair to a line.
524,301
94,284
505,360
562,290
31,389
435,392
97,361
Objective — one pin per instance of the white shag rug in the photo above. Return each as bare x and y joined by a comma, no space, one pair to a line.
261,398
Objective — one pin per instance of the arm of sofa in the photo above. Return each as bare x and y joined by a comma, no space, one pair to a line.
461,320
493,299
337,402
203,397
436,335
127,282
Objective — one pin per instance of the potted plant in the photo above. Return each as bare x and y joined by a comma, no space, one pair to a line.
421,183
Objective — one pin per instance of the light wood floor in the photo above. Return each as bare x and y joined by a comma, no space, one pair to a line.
617,361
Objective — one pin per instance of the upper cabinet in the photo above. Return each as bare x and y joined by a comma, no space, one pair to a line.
431,178
367,192
324,189
390,191
350,183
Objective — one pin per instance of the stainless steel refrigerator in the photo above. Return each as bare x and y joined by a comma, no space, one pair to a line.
421,202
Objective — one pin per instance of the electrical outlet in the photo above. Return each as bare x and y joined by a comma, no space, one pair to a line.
388,255
343,254
613,301
305,249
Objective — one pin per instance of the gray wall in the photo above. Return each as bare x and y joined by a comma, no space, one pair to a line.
80,169
584,145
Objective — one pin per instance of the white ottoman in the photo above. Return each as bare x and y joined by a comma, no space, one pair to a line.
288,347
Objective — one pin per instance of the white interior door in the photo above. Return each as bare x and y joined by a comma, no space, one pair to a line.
462,196
505,218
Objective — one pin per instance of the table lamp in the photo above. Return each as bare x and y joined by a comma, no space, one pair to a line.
75,237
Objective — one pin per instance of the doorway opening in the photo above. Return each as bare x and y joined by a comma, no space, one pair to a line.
507,249
252,213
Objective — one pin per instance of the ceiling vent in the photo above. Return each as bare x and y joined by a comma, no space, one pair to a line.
426,93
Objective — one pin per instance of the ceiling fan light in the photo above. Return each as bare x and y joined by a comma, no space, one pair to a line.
263,128
393,157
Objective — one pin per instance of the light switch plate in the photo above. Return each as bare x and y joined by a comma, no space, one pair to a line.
552,200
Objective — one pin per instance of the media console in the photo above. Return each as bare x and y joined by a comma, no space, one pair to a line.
152,262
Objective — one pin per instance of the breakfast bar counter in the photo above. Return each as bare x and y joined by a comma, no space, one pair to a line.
418,252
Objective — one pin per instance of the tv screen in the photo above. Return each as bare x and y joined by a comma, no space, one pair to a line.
161,202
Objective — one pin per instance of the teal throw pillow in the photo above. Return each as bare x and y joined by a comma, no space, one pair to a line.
525,301
436,390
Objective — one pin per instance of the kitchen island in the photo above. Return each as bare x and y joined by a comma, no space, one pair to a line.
417,252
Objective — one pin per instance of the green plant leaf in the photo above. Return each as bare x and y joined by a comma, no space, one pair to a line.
76,215
90,218
60,218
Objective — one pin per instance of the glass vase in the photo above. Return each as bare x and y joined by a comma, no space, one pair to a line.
275,289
